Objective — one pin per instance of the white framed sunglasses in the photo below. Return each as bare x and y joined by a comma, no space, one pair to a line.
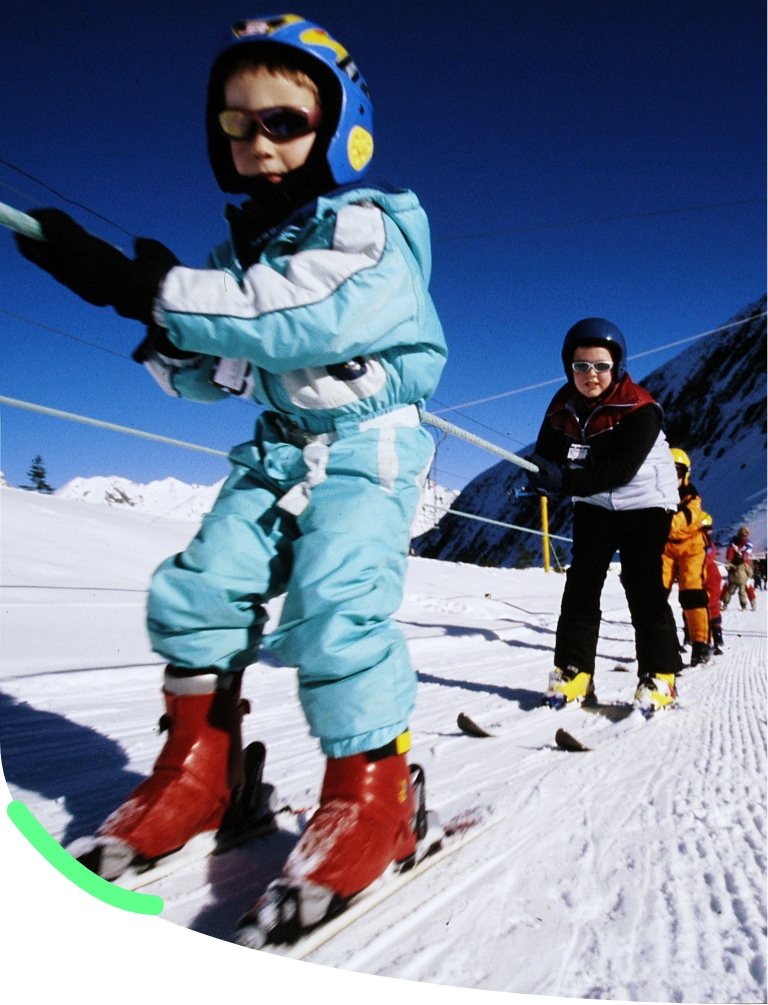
584,366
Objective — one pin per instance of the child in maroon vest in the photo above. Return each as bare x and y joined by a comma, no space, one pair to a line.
602,443
713,585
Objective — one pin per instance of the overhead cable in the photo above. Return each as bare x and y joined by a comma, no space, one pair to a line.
637,355
594,219
431,420
58,331
72,202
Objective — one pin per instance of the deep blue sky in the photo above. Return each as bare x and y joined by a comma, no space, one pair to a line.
514,116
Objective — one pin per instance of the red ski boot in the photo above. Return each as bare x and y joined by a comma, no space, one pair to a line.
368,818
192,785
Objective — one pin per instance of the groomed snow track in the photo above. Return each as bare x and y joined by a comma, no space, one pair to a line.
636,872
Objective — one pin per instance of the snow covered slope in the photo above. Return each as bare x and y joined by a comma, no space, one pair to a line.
635,873
714,397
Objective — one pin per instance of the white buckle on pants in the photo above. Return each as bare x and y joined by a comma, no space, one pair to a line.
316,453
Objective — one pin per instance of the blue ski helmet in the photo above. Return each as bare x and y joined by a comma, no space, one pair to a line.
348,113
599,332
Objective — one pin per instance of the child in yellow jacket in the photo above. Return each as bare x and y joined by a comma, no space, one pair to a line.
684,560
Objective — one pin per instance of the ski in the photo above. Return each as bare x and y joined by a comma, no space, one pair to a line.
454,836
210,843
578,741
470,727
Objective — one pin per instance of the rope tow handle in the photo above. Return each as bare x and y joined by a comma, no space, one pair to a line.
462,434
14,219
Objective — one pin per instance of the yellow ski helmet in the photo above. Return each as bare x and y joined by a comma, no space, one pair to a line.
706,521
682,460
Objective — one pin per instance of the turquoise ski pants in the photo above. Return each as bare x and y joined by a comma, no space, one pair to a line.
342,561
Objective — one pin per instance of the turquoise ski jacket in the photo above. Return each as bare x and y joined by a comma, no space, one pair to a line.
343,280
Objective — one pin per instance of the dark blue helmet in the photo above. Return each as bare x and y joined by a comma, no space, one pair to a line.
599,332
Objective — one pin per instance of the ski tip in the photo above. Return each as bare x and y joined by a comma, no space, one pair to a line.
565,741
470,727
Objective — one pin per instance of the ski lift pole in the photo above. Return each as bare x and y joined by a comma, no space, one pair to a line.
545,530
20,222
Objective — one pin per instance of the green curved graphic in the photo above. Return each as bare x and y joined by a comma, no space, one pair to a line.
41,840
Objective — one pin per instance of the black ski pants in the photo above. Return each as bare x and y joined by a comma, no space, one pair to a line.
639,536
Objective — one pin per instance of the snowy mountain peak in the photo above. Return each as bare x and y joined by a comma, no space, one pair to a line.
168,497
176,500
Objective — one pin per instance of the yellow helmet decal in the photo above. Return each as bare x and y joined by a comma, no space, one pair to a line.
316,36
359,147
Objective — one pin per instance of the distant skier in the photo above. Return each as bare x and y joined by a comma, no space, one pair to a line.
318,308
738,560
684,560
601,442
713,583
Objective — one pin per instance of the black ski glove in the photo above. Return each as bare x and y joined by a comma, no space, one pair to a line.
96,270
157,341
549,477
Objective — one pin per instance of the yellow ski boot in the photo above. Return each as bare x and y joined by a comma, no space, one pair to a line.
570,684
655,693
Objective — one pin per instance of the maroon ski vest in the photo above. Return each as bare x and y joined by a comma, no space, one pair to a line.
625,397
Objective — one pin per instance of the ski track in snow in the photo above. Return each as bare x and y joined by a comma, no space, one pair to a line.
636,872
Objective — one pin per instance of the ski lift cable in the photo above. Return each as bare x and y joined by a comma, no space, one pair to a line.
497,523
72,417
447,427
637,355
22,223
462,434
94,345
595,219
59,195
451,237
439,423
24,195
58,331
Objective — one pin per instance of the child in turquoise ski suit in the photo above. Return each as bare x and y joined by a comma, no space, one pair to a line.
321,501
317,308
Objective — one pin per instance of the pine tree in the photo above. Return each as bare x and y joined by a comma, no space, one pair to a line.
37,476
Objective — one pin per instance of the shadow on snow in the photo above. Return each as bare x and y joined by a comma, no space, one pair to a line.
61,760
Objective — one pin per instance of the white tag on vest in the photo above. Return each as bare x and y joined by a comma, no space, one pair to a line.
578,451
